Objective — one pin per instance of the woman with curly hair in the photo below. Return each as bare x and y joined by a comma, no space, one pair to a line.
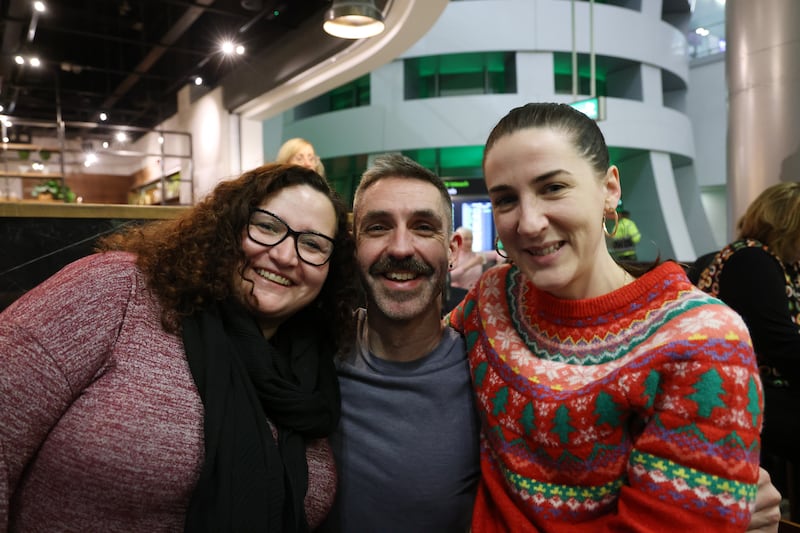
183,378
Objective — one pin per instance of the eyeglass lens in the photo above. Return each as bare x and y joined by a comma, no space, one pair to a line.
268,230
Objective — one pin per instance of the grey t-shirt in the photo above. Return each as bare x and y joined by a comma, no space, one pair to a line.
407,444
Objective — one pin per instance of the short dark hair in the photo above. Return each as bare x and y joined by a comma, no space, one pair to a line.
399,166
584,132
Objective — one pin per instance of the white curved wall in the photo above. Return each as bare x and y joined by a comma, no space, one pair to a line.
664,206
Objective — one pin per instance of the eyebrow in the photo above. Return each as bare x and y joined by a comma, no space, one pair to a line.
544,177
417,213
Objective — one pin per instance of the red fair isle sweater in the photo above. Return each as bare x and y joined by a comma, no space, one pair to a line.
101,425
639,410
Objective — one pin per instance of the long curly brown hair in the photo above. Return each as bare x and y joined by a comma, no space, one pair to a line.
190,261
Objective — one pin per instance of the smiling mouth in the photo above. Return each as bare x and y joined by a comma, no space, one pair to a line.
280,280
547,250
400,276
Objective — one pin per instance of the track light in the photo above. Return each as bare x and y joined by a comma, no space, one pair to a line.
353,19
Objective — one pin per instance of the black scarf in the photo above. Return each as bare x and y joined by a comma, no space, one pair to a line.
248,481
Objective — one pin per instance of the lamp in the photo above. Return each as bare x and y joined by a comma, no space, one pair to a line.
353,19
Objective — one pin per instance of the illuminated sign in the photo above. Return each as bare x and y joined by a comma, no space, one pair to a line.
594,108
461,187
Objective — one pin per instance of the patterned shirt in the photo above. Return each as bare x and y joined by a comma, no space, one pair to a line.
636,409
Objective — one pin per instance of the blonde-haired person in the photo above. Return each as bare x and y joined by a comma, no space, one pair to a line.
758,275
298,151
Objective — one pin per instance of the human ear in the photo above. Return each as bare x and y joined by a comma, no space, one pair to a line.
454,249
613,188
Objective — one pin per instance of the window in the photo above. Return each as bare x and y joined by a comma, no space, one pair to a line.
353,94
460,74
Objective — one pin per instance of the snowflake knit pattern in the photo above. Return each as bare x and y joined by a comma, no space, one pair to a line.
639,410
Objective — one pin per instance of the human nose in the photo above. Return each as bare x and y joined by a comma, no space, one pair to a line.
400,243
285,251
532,218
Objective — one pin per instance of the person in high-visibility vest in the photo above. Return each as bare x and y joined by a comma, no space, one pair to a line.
623,243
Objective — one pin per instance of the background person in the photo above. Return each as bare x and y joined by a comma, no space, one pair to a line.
607,402
184,377
625,238
758,275
471,264
297,151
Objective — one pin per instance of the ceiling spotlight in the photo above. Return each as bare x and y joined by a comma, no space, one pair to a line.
103,117
1,109
19,60
5,139
121,137
105,144
198,80
39,6
240,49
34,62
353,19
227,47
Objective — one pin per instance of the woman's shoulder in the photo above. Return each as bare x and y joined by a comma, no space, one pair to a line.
98,278
748,252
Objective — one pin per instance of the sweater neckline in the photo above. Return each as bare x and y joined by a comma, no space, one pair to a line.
656,279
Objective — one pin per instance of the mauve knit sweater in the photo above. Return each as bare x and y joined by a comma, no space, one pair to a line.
100,420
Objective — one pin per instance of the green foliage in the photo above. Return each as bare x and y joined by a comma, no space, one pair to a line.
56,189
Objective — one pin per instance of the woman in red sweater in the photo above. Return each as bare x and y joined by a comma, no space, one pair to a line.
609,402
183,379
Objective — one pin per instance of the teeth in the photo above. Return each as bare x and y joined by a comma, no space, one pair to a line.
400,276
274,277
545,251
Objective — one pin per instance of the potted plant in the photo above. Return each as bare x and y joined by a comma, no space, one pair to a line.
53,189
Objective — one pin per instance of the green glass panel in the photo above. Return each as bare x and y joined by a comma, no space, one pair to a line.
461,156
460,74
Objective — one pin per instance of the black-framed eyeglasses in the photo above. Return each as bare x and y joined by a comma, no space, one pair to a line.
267,229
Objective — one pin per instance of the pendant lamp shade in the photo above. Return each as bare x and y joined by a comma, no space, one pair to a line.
353,19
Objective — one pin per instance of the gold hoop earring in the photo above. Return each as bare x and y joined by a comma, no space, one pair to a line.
616,225
497,248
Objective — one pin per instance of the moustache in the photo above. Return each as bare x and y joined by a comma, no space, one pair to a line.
408,264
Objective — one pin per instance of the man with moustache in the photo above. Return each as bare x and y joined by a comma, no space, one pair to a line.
407,444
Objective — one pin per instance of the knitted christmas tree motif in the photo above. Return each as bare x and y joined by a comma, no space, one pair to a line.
580,399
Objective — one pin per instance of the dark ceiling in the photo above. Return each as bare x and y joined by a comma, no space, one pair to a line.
129,58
